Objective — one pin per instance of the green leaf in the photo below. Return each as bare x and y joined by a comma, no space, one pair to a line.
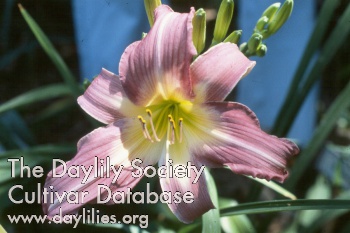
54,109
313,45
194,227
285,205
49,149
4,190
126,228
320,189
32,156
336,39
51,52
35,95
326,216
2,230
277,188
211,219
340,104
234,223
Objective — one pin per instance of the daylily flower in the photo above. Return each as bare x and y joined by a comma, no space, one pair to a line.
164,106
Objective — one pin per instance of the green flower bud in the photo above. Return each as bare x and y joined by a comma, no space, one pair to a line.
223,21
271,10
144,34
280,17
261,51
244,48
260,25
199,30
234,37
254,42
150,6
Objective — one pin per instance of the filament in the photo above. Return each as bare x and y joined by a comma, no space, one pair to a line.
180,129
172,128
152,125
167,156
144,128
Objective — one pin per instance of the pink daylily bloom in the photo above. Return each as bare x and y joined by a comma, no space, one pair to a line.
164,106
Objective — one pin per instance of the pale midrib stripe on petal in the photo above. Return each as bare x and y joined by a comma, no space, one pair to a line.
229,139
158,43
166,85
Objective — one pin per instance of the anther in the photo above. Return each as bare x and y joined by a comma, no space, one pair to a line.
171,119
149,112
180,128
144,128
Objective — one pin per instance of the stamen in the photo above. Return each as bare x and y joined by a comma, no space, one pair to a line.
167,155
144,128
180,128
152,126
171,119
172,126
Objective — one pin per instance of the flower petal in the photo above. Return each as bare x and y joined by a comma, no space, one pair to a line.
238,142
160,62
116,141
125,181
185,212
105,99
216,72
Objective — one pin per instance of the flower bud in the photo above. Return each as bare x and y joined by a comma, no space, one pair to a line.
254,42
244,48
234,37
280,17
271,10
260,25
261,51
223,21
199,30
150,6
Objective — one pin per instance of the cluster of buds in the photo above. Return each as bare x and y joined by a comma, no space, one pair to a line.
254,46
268,24
273,18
